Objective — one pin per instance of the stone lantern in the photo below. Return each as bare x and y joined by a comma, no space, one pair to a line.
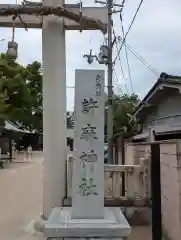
12,51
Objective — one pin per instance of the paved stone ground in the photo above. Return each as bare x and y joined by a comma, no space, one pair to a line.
20,197
20,202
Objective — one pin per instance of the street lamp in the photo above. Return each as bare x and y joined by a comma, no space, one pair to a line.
90,57
102,57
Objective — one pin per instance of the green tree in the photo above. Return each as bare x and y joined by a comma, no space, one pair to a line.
24,86
123,108
15,96
4,108
21,95
34,84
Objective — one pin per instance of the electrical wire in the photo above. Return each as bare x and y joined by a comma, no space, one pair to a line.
118,85
142,60
120,63
114,71
129,70
131,24
119,55
123,4
122,71
126,54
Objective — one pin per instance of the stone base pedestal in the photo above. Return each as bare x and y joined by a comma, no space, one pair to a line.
61,225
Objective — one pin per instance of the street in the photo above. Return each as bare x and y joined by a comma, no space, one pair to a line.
20,198
20,202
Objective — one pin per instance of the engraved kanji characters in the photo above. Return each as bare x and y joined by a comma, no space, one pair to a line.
88,160
87,187
98,85
89,104
88,132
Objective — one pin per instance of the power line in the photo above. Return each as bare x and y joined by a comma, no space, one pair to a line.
116,77
120,64
126,54
142,60
120,59
118,85
119,55
123,4
137,10
129,70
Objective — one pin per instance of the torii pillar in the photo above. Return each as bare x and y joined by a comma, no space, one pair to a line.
54,117
54,93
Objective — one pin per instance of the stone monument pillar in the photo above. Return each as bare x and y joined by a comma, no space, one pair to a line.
88,218
88,166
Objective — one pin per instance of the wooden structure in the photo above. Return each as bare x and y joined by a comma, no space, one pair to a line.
137,185
160,110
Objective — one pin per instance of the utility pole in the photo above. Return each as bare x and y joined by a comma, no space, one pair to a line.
105,57
110,86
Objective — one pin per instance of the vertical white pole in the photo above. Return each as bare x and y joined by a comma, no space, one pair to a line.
54,126
151,135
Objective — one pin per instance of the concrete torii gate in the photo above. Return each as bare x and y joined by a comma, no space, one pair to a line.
54,91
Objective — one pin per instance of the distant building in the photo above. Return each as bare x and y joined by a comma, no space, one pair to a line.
160,110
8,133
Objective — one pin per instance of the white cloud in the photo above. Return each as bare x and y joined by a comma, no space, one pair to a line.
156,35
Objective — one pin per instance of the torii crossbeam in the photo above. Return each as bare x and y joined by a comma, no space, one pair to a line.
88,19
54,81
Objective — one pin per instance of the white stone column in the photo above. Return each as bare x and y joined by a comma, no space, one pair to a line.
54,126
88,166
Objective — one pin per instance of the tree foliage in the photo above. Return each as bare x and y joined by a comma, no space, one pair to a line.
21,93
123,107
15,96
34,85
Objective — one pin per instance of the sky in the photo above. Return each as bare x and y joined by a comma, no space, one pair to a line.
155,35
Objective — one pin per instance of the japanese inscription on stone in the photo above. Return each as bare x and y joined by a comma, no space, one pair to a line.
88,166
89,104
87,186
88,132
98,85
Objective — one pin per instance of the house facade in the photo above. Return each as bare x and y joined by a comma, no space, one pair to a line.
159,113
